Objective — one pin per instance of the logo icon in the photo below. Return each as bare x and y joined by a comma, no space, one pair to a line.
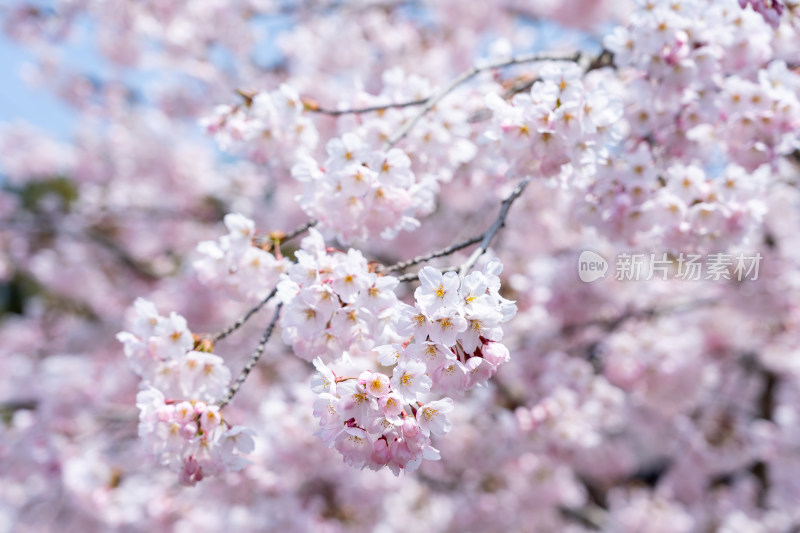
591,266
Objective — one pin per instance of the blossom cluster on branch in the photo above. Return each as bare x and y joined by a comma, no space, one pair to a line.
179,422
447,343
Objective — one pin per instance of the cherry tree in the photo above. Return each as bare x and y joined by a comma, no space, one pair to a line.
371,265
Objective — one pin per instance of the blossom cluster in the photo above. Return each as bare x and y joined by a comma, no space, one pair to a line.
681,206
575,408
445,344
178,421
366,187
361,191
361,186
706,125
333,303
235,263
559,121
704,74
269,126
440,142
762,129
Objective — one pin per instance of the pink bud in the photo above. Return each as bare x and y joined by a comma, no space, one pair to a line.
495,353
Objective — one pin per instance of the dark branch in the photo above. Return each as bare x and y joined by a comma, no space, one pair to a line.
278,237
766,407
313,108
431,102
10,407
484,238
143,270
239,323
590,516
609,325
433,255
414,276
299,230
492,231
254,357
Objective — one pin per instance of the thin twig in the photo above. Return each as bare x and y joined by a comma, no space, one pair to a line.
414,276
484,238
141,268
602,60
326,8
609,325
433,255
590,516
277,238
313,108
492,231
254,357
239,323
766,406
411,276
301,229
431,102
587,63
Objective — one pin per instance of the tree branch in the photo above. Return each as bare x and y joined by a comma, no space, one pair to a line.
492,231
277,238
433,255
484,238
140,268
299,230
312,107
590,516
239,323
253,310
766,408
588,63
431,102
609,325
254,357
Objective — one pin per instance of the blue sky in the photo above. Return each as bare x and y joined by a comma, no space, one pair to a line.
19,101
37,105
